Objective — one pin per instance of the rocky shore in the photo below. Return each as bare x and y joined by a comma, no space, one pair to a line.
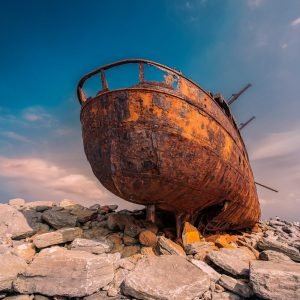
65,250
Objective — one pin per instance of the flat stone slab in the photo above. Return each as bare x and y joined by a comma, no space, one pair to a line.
166,277
59,218
272,244
57,271
213,275
95,247
57,237
236,286
235,261
275,280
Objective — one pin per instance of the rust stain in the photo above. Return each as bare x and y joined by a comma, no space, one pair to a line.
172,146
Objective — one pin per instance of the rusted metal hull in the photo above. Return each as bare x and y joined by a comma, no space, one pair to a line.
174,148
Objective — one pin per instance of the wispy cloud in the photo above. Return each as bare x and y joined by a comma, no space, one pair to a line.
278,144
38,115
44,174
295,22
15,136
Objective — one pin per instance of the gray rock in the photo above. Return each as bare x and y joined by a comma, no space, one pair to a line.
13,223
57,237
65,273
33,218
213,275
225,296
235,261
59,218
83,214
95,247
272,244
236,286
166,277
10,267
273,256
274,280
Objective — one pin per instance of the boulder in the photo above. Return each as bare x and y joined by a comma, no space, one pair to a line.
273,256
275,245
147,238
190,234
165,277
234,261
65,273
168,247
59,218
39,206
275,280
10,267
236,286
57,237
95,247
13,223
213,275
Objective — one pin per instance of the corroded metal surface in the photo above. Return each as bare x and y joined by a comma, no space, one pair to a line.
172,145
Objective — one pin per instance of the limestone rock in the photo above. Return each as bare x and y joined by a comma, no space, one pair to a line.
25,251
65,273
274,256
13,223
67,203
19,297
190,234
147,238
272,244
10,267
165,277
235,261
200,250
168,247
274,280
59,218
213,275
126,264
95,247
147,251
39,205
57,237
16,202
236,286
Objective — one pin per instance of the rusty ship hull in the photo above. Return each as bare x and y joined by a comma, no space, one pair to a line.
173,147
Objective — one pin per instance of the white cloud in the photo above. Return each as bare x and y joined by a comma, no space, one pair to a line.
38,115
34,171
15,136
278,144
295,22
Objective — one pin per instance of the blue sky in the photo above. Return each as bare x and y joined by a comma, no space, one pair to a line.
46,46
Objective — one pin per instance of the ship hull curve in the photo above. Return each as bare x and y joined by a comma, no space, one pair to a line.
150,145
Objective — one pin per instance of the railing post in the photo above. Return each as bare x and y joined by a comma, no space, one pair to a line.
141,72
103,80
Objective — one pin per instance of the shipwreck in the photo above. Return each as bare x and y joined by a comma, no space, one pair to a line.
169,145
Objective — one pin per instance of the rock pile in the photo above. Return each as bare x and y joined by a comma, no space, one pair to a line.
65,250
